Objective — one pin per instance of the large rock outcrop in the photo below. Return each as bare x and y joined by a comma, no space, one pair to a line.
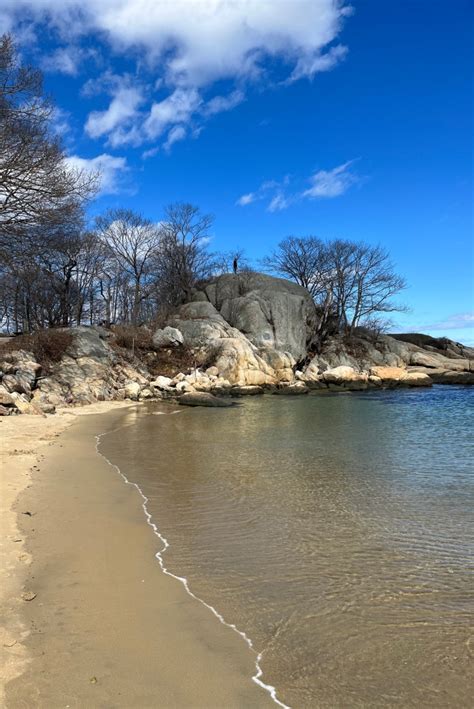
270,312
258,330
216,342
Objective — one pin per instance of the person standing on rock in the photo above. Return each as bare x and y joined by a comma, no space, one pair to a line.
236,264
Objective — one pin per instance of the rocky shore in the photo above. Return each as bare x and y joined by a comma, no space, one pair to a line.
245,335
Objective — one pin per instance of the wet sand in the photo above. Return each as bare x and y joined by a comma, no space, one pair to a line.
106,627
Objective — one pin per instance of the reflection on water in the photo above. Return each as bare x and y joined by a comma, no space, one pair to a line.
336,531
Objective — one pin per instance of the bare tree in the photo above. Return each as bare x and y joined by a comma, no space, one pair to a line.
363,282
88,263
303,259
183,259
36,185
349,282
374,285
342,259
307,260
132,242
48,286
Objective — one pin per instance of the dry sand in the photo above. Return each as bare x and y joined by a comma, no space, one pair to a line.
106,627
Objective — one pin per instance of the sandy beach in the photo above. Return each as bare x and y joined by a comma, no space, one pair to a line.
88,617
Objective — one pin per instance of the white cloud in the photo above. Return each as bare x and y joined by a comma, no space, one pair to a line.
176,134
330,183
279,202
113,121
62,61
178,107
150,153
66,60
247,199
107,82
270,189
123,123
325,184
311,65
201,41
60,121
189,45
111,170
218,104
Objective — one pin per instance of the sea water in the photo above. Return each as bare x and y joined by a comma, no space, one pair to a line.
335,531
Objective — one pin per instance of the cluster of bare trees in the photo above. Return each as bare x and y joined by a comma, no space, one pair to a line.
55,271
146,268
352,283
41,199
38,191
126,269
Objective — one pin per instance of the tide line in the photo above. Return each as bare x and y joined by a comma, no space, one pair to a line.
182,579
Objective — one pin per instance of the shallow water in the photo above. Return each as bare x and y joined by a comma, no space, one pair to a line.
336,531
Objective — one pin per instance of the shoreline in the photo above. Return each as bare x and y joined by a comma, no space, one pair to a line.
272,691
100,602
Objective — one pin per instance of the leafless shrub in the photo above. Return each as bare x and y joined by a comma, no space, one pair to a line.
133,338
375,326
48,346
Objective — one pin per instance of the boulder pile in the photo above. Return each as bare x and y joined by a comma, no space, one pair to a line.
89,371
366,361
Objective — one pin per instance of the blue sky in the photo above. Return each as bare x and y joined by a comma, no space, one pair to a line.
279,117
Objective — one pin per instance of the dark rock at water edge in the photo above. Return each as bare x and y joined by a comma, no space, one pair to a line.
203,399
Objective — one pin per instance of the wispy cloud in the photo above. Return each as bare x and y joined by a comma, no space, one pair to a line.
176,108
218,104
111,170
279,202
150,153
116,122
178,114
176,134
459,321
62,61
311,65
331,183
271,191
60,122
246,199
66,60
324,184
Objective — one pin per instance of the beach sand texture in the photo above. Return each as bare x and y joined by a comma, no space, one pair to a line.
106,628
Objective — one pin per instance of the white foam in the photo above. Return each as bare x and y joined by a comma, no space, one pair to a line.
259,672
